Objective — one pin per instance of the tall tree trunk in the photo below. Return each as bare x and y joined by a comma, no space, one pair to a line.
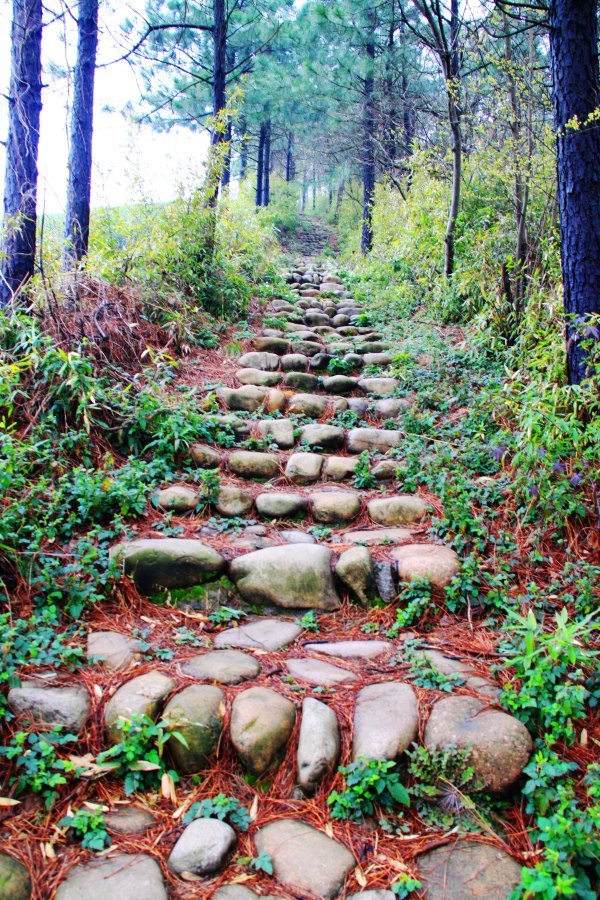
20,183
266,185
304,192
521,189
576,97
79,188
452,78
260,166
389,102
290,168
219,89
368,148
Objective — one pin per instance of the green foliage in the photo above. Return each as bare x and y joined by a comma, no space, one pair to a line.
444,787
225,615
227,809
423,672
39,767
416,600
210,484
183,257
370,784
566,827
261,863
555,672
405,885
88,826
309,622
138,758
33,642
340,366
363,478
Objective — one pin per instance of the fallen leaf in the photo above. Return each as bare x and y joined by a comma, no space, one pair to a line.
359,875
8,801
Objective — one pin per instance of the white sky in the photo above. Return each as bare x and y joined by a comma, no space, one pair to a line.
130,162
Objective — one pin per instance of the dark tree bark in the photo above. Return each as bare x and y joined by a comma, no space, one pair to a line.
77,218
266,174
290,165
452,77
20,184
521,191
260,165
576,95
219,89
368,148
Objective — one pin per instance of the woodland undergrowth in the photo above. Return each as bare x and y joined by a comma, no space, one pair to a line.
93,417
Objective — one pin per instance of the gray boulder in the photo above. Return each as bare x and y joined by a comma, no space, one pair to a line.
132,876
168,562
304,468
304,859
500,746
223,666
197,713
293,576
318,744
386,721
468,870
261,725
203,848
15,883
143,695
354,568
67,707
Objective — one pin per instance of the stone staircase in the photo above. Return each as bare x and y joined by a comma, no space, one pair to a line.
310,238
295,510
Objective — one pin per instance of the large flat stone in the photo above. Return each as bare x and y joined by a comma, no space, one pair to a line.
311,405
355,569
386,721
305,860
293,576
327,437
15,883
143,695
168,562
304,468
281,505
281,430
314,671
434,562
224,666
258,377
124,875
248,398
268,362
65,707
261,725
203,848
318,744
351,649
333,506
468,870
375,536
198,712
252,464
500,746
361,439
261,634
403,509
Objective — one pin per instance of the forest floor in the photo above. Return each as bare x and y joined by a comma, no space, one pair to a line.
378,525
